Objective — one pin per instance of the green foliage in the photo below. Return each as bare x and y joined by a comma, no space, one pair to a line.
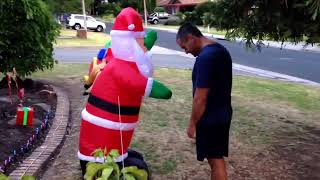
314,6
138,174
26,34
3,177
108,17
97,7
109,8
70,6
138,5
109,170
26,177
159,9
190,17
151,5
208,19
279,20
181,16
203,11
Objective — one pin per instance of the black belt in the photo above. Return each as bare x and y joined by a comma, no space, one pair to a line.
113,108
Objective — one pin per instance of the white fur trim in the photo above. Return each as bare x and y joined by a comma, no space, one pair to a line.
106,123
131,27
138,34
100,160
148,87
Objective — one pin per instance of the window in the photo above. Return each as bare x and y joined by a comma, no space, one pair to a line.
90,19
79,17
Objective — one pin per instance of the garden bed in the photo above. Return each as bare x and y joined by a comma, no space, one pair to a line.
17,141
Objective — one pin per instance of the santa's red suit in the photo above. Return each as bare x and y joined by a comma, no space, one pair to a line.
117,93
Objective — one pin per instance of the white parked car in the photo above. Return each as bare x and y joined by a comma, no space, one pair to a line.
76,21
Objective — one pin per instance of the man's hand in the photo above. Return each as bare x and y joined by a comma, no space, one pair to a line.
191,131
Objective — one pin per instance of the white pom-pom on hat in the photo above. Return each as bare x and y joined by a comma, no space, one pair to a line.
131,27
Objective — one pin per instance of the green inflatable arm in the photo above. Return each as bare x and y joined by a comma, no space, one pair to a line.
108,44
150,38
160,91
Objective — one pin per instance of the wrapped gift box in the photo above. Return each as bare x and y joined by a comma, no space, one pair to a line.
24,116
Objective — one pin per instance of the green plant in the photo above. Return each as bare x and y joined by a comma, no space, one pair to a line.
107,17
282,21
181,17
109,170
26,177
26,34
3,177
191,17
109,9
205,8
207,19
159,9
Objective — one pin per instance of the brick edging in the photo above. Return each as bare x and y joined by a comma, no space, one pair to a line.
32,164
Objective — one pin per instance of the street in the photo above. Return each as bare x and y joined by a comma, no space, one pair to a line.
301,64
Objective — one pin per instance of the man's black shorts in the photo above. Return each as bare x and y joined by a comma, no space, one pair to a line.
212,140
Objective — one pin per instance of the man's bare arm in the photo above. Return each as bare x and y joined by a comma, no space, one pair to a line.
199,104
198,108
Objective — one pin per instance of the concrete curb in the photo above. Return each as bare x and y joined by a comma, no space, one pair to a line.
32,164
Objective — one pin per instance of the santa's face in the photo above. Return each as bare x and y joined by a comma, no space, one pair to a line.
132,49
143,58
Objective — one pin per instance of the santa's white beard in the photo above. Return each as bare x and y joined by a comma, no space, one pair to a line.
127,48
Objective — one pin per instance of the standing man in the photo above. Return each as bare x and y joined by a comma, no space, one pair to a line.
211,109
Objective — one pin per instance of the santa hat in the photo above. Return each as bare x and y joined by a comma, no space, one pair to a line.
128,23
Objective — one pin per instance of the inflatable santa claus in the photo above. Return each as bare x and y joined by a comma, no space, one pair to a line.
112,111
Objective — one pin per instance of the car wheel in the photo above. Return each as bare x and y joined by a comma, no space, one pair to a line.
77,26
155,21
99,29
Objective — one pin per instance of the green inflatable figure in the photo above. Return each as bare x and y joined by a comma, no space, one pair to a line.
150,38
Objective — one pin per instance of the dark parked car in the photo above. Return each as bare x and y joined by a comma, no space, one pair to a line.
157,17
63,18
172,20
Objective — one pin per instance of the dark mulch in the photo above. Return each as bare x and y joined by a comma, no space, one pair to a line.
15,137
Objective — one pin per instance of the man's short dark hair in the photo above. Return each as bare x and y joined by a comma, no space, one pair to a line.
186,29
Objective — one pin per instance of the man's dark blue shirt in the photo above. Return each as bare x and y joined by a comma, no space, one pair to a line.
213,70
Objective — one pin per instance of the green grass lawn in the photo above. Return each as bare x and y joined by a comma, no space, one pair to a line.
267,114
68,38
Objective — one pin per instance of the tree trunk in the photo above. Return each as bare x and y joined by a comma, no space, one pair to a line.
82,33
